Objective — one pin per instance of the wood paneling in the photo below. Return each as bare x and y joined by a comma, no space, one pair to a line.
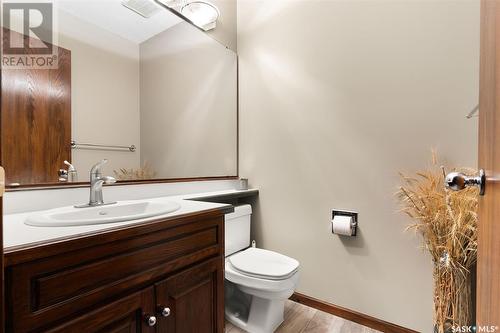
350,315
36,121
488,266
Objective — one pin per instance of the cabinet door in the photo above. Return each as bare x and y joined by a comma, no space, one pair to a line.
192,301
133,313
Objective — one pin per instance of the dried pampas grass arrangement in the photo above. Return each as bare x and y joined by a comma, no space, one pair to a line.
447,221
144,172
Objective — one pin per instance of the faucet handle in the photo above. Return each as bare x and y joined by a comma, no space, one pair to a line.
96,169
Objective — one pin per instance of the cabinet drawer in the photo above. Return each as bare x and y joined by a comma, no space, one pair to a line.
58,287
47,290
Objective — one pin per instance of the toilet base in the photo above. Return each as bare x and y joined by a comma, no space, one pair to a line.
251,313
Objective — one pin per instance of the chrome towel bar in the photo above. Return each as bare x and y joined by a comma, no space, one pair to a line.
76,145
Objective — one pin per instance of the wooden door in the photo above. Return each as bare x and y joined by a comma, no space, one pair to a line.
127,315
488,268
36,121
194,299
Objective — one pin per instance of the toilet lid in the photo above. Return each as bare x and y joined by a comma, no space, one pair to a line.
264,264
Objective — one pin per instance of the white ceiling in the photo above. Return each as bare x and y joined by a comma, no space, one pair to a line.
112,16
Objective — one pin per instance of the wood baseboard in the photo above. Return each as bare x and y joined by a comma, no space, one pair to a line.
350,315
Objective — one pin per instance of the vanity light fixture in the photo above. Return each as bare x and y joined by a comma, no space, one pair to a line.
202,13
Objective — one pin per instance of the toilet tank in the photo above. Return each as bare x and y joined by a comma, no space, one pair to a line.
237,229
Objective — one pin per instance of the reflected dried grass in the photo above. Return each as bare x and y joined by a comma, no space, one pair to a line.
144,172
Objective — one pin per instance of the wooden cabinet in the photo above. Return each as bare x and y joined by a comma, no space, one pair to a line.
188,302
170,272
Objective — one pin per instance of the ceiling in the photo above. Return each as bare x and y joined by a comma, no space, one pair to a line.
112,16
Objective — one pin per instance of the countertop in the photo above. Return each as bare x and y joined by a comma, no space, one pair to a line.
17,234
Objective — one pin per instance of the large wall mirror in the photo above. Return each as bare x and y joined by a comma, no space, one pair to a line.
149,92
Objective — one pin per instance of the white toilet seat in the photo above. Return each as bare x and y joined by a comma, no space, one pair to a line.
264,264
279,282
258,283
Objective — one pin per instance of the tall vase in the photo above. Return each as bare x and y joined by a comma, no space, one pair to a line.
452,298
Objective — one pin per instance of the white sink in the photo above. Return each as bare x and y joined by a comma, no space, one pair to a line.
119,212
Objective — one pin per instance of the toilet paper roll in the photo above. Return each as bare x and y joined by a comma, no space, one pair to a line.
342,225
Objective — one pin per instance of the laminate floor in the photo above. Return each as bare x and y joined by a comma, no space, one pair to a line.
303,319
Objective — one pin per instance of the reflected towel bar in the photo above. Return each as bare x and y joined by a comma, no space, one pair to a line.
75,145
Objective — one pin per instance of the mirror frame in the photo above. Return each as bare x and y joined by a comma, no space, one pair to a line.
57,186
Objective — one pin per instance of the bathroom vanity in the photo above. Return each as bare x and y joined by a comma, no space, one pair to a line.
164,275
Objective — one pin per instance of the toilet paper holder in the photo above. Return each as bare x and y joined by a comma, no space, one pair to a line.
354,222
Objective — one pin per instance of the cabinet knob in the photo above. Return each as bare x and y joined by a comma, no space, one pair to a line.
150,320
164,310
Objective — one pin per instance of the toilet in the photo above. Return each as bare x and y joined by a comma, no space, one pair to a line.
257,281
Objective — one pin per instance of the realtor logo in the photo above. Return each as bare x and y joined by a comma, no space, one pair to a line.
28,35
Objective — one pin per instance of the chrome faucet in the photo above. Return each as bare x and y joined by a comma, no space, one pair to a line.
96,182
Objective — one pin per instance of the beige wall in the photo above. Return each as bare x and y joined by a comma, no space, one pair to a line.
226,29
105,93
336,97
188,104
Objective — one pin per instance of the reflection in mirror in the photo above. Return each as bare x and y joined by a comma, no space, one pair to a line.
146,90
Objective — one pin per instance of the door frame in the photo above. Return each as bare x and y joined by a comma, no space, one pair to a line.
488,261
